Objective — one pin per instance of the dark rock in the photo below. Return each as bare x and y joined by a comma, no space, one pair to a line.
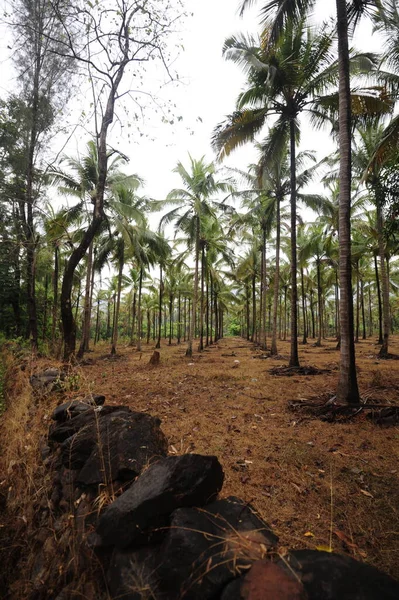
330,576
207,548
132,574
97,399
61,431
109,443
47,380
232,591
121,445
170,483
70,409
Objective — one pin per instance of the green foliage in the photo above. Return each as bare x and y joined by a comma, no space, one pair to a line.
234,327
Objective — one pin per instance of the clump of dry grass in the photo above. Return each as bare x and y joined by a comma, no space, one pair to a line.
35,538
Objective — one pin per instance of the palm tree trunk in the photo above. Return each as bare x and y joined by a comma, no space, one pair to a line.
133,329
294,359
84,342
371,331
304,340
312,313
77,303
337,326
253,307
285,314
210,310
247,296
189,351
97,332
44,328
179,319
347,390
170,319
165,320
185,318
158,344
263,292
139,321
364,336
385,283
377,281
357,303
202,308
207,310
118,302
55,295
108,332
215,302
273,350
189,316
319,302
148,325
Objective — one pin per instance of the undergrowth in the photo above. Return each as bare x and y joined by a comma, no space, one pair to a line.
37,541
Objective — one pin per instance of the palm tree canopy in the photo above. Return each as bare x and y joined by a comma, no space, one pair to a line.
298,73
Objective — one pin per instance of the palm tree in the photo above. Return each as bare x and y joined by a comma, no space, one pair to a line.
79,178
248,269
284,79
318,247
370,140
214,248
195,201
280,14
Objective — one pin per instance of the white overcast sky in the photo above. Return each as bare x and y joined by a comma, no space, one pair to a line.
211,87
208,92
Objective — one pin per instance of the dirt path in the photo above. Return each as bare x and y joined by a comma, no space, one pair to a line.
318,484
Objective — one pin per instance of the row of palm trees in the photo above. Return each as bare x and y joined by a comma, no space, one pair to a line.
291,69
246,290
204,225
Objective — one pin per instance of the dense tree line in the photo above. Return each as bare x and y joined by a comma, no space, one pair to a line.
232,253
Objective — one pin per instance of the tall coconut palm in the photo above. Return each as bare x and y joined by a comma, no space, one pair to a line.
214,248
317,245
126,222
370,139
279,14
248,268
285,79
195,201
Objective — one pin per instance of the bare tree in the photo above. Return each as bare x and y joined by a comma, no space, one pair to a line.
109,39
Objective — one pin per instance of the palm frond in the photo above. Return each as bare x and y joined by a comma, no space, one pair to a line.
237,130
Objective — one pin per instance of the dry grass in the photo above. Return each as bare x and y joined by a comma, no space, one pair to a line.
35,543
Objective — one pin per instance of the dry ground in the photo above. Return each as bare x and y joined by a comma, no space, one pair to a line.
319,485
329,485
